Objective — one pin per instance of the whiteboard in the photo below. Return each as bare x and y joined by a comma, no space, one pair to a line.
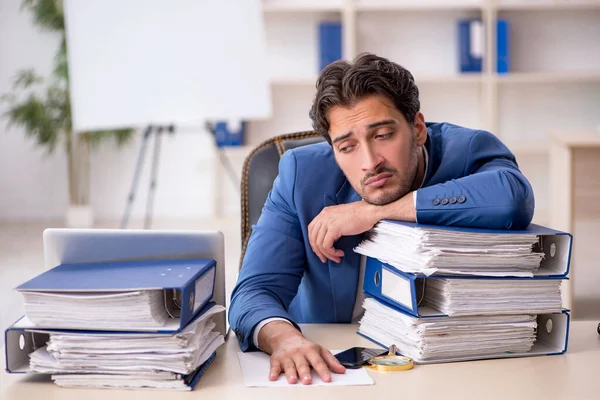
182,62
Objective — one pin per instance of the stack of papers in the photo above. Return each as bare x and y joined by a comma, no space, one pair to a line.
131,310
442,251
439,339
130,360
476,296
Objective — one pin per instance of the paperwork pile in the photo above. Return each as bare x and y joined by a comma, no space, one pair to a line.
115,360
444,338
457,297
429,250
123,324
450,294
128,310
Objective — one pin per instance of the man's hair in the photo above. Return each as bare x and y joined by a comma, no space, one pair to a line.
343,84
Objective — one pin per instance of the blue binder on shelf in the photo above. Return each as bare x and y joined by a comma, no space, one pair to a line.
330,43
552,338
230,133
404,291
188,285
22,339
502,47
471,45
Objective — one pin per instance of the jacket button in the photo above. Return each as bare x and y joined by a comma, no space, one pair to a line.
462,199
436,202
452,200
444,201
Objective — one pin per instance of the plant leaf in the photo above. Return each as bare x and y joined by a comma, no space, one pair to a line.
35,117
47,14
25,79
121,136
61,65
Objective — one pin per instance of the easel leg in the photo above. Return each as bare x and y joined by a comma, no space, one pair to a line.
136,177
154,172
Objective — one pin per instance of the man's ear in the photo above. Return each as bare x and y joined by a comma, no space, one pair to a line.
420,129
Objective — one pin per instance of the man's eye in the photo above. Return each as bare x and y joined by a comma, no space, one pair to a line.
346,149
384,135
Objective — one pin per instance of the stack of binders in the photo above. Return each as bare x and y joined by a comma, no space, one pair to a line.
125,325
452,294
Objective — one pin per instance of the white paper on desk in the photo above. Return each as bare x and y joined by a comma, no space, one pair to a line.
255,368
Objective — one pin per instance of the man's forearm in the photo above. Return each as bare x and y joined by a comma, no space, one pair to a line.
402,209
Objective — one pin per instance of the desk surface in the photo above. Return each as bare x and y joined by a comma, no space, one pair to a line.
575,375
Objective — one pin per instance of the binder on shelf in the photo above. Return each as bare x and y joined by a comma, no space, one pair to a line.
551,338
502,47
406,291
176,290
230,133
470,45
330,42
22,338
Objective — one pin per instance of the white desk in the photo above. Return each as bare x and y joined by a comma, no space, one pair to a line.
575,375
575,207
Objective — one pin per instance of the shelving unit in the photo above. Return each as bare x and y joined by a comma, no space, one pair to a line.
554,83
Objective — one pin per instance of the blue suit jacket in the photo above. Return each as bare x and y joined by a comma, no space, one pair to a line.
282,277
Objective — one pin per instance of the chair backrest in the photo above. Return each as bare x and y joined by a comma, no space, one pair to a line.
259,172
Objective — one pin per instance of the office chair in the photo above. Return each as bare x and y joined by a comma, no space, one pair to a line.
259,172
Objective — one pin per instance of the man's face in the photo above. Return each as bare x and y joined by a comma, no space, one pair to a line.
376,148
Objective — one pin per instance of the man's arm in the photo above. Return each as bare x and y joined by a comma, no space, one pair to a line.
492,194
271,272
273,263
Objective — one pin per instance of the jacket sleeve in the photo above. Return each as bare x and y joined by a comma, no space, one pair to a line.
492,194
274,261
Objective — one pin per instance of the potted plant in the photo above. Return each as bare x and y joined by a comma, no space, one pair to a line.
42,108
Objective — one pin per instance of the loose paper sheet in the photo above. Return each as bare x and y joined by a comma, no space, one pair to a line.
255,368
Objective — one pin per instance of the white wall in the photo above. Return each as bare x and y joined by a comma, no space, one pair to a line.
185,183
34,185
27,174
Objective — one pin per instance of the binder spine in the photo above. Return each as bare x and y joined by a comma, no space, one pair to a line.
18,345
393,287
502,47
557,255
470,45
330,42
553,331
190,303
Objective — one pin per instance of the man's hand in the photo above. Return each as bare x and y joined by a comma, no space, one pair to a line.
336,221
294,355
353,219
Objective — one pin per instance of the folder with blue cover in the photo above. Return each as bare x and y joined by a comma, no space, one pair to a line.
22,341
330,42
471,45
179,289
550,334
403,308
407,291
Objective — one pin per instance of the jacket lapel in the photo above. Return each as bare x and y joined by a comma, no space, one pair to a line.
344,276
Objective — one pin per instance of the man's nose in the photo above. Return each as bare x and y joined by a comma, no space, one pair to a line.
370,160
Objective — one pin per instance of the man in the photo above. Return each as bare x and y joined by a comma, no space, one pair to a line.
381,161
